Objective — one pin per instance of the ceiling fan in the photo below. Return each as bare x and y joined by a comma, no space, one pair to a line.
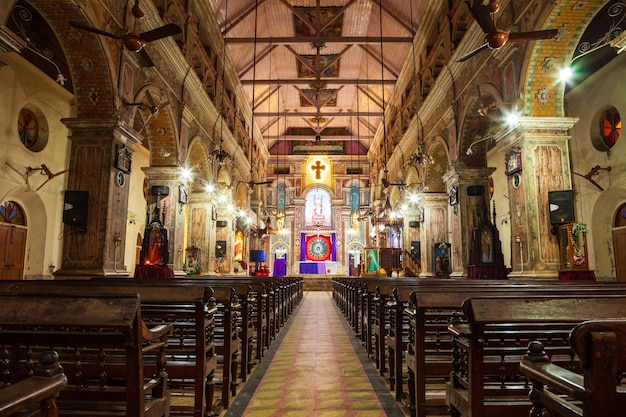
151,106
252,183
496,38
132,40
44,170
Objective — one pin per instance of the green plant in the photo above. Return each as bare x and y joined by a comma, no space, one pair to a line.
578,228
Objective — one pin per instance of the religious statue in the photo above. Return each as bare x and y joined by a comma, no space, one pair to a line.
318,211
154,249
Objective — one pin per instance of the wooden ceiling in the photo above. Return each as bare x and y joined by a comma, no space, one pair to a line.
318,68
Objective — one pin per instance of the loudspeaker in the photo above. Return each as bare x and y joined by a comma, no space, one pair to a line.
220,248
475,190
415,248
75,208
561,206
160,189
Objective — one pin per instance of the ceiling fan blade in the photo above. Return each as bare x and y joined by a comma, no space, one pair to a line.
59,173
472,53
150,99
144,59
162,105
483,18
535,35
145,123
88,28
159,33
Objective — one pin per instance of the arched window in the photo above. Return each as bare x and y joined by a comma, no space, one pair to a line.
11,212
610,126
620,216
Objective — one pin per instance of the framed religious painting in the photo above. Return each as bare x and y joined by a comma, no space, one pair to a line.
123,159
371,262
454,196
513,162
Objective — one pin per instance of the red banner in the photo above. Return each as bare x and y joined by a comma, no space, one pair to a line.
318,248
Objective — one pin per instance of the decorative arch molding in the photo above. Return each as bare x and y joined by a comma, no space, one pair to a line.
92,64
603,215
197,162
412,177
476,127
224,177
159,127
543,95
433,173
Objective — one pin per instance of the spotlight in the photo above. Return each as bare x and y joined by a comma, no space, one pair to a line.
469,151
512,119
565,74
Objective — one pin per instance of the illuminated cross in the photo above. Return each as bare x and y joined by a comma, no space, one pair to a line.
317,168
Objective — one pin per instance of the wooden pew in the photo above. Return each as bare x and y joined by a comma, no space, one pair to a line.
103,345
387,328
35,395
191,351
428,352
599,391
225,334
486,380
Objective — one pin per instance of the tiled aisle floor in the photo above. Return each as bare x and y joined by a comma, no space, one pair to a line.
316,368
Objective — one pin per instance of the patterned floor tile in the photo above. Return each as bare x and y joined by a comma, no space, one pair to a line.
315,371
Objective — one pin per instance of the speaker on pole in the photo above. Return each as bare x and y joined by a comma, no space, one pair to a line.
561,206
75,208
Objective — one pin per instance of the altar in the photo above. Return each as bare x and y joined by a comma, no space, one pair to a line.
317,268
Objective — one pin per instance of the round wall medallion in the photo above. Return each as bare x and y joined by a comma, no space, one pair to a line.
516,181
121,179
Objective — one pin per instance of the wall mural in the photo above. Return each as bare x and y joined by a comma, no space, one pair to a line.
317,212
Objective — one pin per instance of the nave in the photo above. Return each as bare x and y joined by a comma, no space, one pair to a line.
315,368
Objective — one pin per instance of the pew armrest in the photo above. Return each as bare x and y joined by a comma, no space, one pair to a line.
156,332
460,329
559,379
30,391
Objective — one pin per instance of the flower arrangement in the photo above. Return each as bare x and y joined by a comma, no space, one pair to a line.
578,228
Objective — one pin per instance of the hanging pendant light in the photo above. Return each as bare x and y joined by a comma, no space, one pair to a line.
219,155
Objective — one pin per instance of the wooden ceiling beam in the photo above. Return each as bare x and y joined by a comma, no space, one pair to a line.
354,40
327,137
328,81
241,17
377,59
392,15
254,62
347,113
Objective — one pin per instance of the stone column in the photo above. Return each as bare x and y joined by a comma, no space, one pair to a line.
545,166
201,229
433,229
467,211
175,214
97,249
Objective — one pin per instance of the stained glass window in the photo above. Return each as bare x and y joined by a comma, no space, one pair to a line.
28,128
11,212
610,127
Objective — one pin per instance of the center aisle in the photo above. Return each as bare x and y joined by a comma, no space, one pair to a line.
316,368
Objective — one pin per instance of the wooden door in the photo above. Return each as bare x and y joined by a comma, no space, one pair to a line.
12,251
619,253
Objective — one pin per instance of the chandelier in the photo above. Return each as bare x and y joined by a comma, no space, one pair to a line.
220,156
419,157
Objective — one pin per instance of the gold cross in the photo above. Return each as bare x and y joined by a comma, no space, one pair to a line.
317,168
